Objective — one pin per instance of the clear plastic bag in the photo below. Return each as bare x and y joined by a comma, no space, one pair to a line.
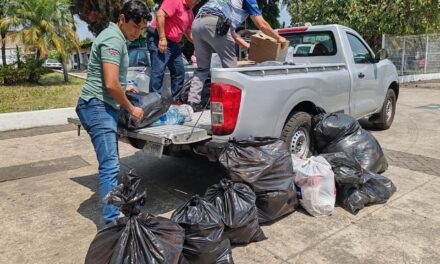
315,183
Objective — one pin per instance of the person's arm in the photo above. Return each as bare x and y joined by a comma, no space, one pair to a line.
239,40
189,36
111,82
262,24
160,26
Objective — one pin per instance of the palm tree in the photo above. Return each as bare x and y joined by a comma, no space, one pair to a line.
44,24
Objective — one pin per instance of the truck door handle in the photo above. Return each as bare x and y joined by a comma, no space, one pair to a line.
361,75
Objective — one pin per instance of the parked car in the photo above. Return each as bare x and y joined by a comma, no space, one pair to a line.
53,64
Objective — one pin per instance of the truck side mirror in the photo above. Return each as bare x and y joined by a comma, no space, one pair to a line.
381,55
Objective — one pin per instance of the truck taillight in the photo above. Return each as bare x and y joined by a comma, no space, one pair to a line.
225,105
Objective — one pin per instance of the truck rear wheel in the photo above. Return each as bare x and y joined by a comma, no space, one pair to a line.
297,134
385,117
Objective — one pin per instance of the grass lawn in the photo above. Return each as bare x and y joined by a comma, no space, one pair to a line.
51,93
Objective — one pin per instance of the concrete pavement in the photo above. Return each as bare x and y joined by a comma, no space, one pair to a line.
49,205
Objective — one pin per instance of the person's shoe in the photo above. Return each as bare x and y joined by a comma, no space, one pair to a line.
197,107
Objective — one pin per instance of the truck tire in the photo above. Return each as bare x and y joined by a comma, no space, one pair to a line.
385,117
297,134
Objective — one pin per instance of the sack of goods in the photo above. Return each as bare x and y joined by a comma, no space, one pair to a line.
153,104
315,185
355,186
338,132
137,237
205,241
266,165
236,203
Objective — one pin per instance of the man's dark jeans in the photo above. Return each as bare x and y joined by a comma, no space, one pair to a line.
171,58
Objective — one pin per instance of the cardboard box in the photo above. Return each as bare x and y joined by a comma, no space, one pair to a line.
265,48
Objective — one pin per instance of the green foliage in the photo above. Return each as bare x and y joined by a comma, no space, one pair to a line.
29,71
85,42
43,25
51,92
53,54
371,18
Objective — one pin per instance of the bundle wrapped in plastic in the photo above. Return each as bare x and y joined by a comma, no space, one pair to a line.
266,165
315,185
205,241
236,203
356,187
153,104
338,132
136,238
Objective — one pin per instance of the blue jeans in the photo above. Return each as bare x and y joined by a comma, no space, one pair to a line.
100,120
171,58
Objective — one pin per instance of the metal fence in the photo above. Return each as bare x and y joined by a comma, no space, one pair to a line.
413,55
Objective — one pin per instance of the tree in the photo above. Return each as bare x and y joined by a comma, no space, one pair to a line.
3,29
98,13
44,24
371,18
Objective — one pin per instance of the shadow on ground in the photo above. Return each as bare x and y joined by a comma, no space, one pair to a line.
169,182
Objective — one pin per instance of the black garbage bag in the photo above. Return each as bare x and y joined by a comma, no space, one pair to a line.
205,241
275,204
338,132
153,104
266,165
236,203
356,187
138,237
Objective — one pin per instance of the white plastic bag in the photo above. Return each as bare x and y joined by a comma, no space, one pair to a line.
315,184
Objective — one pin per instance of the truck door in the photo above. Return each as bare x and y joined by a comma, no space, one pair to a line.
364,77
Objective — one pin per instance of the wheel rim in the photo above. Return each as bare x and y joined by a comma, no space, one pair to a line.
389,110
300,142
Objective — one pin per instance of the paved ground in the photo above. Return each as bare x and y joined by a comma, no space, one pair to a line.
48,201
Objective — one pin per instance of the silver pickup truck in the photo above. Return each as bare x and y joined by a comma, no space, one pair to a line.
334,69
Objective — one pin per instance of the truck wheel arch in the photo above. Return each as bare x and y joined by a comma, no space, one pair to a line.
297,129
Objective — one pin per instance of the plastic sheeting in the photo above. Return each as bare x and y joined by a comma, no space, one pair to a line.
236,203
136,238
357,187
338,132
266,165
153,104
205,241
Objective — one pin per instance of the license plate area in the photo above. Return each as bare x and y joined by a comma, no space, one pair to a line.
153,148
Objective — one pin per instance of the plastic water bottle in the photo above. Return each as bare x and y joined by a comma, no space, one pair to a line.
143,81
171,117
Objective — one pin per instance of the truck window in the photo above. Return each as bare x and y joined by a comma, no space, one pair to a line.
317,43
361,54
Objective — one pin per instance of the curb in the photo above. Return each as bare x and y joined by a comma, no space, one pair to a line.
29,119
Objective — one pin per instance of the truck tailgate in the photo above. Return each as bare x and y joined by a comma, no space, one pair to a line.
191,132
197,130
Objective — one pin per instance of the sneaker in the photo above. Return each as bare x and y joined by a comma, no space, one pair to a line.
197,107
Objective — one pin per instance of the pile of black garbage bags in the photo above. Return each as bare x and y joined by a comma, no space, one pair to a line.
356,158
260,188
200,231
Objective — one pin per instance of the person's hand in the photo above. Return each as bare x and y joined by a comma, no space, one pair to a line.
163,44
131,89
283,42
137,113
